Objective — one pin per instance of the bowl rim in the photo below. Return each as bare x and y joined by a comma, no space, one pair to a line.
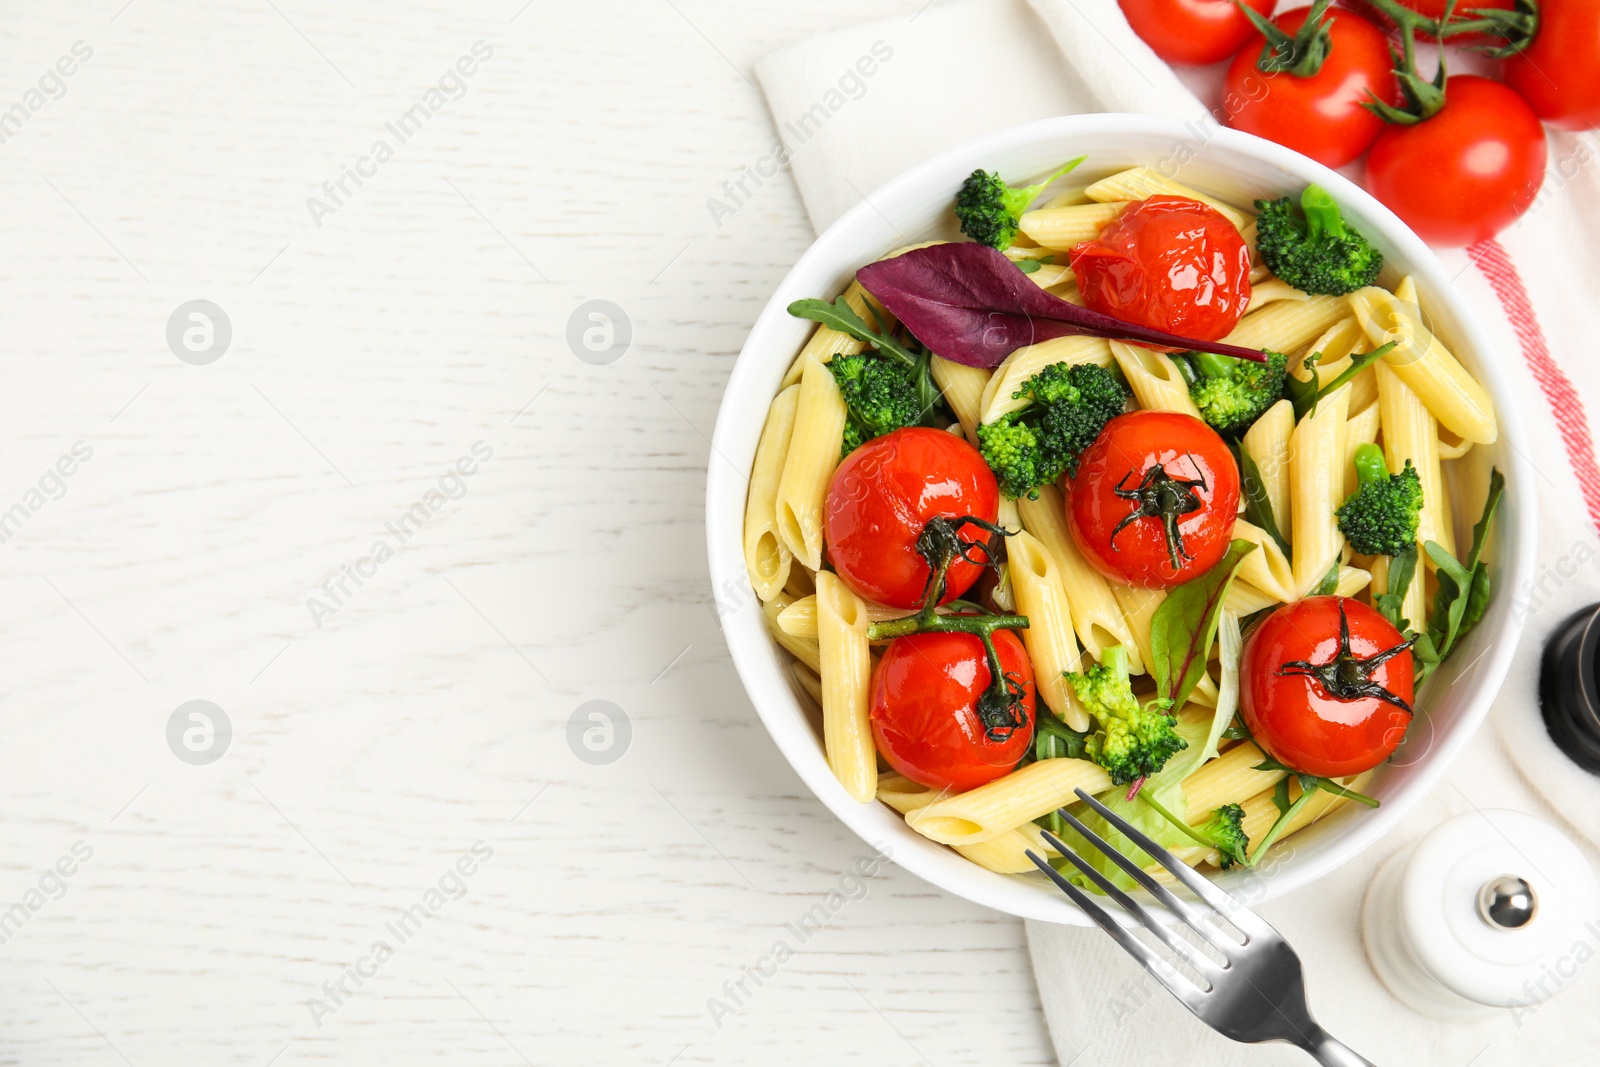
1006,893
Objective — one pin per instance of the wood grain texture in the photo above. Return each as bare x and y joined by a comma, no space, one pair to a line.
430,711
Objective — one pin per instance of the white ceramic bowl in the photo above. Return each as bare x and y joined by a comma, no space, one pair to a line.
917,206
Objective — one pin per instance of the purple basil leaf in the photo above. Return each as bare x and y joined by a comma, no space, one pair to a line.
970,304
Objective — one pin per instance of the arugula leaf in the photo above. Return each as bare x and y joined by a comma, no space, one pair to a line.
1402,569
1257,505
1304,394
1330,582
1464,589
842,317
1185,624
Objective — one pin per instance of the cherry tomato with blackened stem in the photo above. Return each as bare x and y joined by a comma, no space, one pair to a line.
1326,686
924,708
1168,262
1466,173
1558,74
884,493
1154,500
1197,32
1321,115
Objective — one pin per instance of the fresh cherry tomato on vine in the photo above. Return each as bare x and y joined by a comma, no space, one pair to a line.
1321,114
885,492
1168,262
925,717
1326,686
1155,498
1192,31
1466,173
1558,74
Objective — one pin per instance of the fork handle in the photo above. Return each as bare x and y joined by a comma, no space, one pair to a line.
1331,1052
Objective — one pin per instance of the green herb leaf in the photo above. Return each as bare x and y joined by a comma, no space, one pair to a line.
1330,582
1028,266
1402,569
1257,505
1184,626
1304,395
1464,588
842,317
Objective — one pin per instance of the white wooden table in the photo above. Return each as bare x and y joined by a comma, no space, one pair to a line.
382,727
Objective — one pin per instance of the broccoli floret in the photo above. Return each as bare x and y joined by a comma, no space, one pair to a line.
1316,254
1225,831
1380,517
989,208
880,394
1069,404
1232,393
1130,740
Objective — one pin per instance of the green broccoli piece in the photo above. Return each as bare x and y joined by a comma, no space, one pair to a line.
1069,404
1130,740
1232,393
1316,254
989,208
1225,832
880,395
1380,517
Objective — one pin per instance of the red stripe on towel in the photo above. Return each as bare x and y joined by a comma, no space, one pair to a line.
1559,392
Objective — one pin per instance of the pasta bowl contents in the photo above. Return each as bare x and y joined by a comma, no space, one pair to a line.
1125,482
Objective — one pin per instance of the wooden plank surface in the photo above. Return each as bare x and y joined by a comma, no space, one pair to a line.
380,730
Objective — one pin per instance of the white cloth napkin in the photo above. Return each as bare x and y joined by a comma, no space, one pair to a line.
961,69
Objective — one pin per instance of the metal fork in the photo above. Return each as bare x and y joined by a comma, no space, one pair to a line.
1257,993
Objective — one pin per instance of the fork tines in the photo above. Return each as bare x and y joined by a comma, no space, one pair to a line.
1220,903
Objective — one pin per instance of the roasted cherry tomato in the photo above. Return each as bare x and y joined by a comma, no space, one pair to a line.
1466,173
1168,262
884,493
925,719
1192,31
1326,686
1154,499
1321,115
1559,73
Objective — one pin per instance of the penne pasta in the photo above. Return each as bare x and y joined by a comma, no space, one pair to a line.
1042,597
1266,569
1267,443
1008,853
1231,778
1411,433
803,649
846,671
1138,608
1154,379
999,392
807,468
963,389
1139,183
988,811
1288,326
1061,228
799,619
1273,289
1316,490
766,557
1096,619
1427,367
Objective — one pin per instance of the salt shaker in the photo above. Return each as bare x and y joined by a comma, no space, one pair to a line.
1493,910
